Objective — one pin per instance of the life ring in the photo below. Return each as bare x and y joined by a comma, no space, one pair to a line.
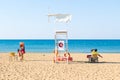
60,44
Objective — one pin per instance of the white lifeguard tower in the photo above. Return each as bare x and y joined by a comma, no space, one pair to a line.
61,41
61,37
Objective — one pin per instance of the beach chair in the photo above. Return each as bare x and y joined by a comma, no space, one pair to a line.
91,59
63,58
13,57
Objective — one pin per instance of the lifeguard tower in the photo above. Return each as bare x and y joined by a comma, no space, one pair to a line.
61,38
61,41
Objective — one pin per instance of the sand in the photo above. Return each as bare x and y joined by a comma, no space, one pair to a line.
40,66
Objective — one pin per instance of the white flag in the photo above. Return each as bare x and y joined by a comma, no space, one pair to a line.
60,45
61,17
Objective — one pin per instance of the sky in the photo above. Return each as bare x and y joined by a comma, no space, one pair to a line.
91,19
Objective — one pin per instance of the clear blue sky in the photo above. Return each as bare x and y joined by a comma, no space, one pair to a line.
91,19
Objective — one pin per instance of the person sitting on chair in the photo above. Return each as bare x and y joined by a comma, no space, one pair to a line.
66,54
95,54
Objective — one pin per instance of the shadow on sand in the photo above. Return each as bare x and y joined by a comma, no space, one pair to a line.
38,60
79,62
103,62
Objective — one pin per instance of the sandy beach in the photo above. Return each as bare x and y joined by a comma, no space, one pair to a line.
40,66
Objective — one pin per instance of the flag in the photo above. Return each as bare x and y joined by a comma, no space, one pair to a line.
61,17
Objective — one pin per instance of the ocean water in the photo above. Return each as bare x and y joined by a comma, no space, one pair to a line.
47,46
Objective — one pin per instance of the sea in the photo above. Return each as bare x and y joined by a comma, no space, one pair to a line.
74,45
